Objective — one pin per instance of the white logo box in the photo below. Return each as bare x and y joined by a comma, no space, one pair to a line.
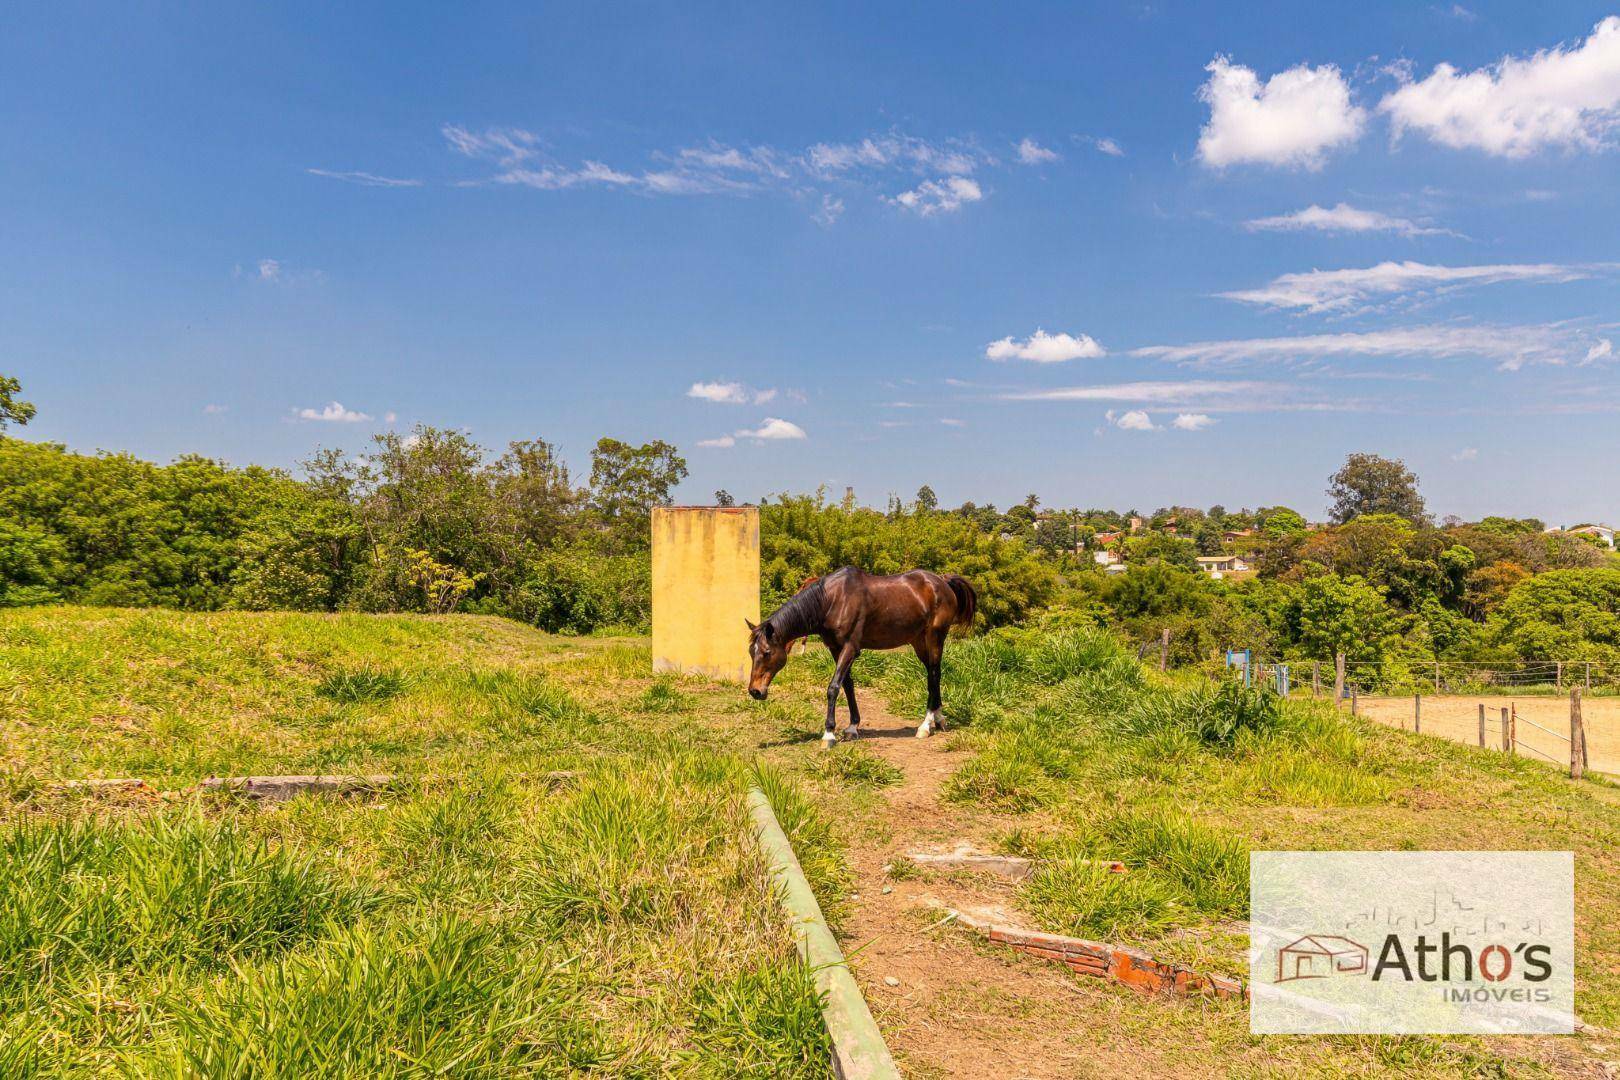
1412,942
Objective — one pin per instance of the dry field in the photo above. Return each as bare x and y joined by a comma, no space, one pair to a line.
1457,717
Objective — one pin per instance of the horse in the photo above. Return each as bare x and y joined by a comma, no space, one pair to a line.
851,610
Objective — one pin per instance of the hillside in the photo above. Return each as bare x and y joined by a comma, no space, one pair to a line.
547,888
566,827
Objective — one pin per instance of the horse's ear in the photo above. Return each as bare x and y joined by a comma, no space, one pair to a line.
770,632
751,626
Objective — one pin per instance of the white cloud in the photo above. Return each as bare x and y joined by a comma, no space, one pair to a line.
1192,421
1511,347
1135,420
1031,152
951,421
1557,97
1157,393
215,410
832,208
1101,143
1292,119
1603,350
722,443
364,179
390,417
334,413
506,145
1344,218
774,428
1339,290
947,194
730,393
1467,453
896,150
1044,348
269,270
591,172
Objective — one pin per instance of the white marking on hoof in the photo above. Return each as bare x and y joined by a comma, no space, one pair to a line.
829,740
926,728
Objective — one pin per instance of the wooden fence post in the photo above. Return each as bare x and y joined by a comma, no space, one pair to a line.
1338,678
1577,737
1352,701
1164,648
1417,712
1316,678
1507,732
1559,678
1482,723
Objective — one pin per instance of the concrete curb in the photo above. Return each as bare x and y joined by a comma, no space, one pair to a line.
1119,963
859,1052
279,788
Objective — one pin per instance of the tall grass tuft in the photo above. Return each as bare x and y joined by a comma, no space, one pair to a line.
761,1023
446,999
361,686
175,891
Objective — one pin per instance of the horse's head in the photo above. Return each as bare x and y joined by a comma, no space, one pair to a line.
768,648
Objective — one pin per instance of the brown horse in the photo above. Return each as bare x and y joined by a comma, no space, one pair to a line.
851,610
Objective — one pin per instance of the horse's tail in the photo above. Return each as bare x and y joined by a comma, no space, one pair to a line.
967,601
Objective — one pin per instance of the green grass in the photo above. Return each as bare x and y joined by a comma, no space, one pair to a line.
560,882
1083,754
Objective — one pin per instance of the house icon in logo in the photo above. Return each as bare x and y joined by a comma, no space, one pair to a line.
1316,956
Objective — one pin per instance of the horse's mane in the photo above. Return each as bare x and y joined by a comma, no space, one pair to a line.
803,614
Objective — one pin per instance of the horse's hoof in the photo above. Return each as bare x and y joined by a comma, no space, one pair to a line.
924,730
852,733
829,740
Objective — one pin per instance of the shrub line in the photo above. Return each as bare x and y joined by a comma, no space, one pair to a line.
859,1052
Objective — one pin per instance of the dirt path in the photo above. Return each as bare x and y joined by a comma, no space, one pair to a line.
948,1004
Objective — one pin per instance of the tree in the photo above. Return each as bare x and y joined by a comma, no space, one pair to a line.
1279,521
13,411
723,498
927,501
628,481
1562,615
1369,484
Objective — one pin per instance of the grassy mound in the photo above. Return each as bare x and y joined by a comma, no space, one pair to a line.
555,885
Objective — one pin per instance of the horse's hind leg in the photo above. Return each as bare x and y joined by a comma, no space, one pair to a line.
931,652
854,729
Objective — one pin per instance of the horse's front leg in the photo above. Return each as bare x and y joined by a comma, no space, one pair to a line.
846,659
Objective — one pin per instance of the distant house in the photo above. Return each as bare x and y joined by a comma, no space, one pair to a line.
1105,559
1220,566
1601,533
1103,539
1236,534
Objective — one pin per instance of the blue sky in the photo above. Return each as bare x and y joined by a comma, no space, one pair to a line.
1129,256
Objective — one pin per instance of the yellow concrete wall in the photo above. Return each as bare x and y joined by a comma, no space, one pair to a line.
705,582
